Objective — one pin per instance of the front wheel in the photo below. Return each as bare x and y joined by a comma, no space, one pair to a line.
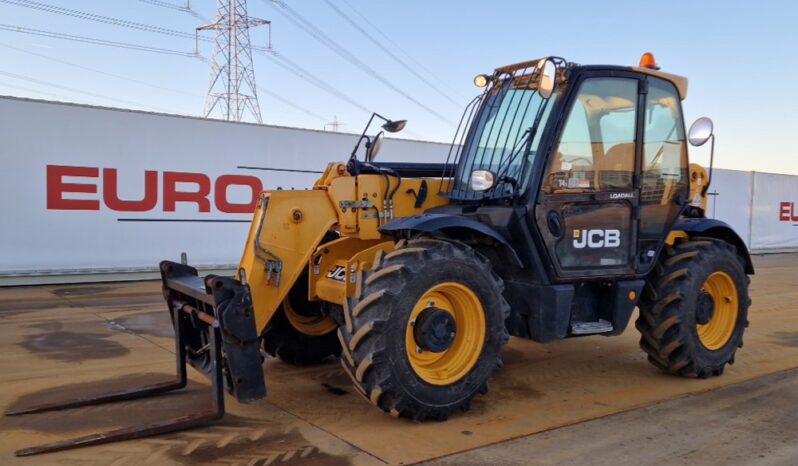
424,335
301,332
695,308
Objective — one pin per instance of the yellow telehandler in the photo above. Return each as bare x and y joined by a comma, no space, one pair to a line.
566,201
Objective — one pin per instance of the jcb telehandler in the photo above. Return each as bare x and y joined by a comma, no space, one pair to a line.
567,200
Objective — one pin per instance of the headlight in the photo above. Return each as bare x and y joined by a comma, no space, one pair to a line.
482,180
481,80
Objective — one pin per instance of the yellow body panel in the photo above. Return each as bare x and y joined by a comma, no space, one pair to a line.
698,183
329,271
289,227
373,209
344,189
295,223
362,262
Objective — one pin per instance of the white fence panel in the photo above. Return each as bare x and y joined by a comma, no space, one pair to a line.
774,224
89,190
729,199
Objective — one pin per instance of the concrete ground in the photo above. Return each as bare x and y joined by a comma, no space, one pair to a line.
749,423
583,401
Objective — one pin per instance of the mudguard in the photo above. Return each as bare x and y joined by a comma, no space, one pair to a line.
716,229
428,223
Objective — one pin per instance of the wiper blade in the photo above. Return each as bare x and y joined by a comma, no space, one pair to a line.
501,176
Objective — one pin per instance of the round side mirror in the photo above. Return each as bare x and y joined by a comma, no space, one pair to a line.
482,180
700,131
374,146
547,77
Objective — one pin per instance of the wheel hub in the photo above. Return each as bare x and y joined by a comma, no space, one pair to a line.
434,330
705,308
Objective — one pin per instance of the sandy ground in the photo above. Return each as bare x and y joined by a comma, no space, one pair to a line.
583,401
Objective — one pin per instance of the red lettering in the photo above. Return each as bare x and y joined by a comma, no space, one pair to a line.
171,196
220,193
784,212
787,211
111,192
56,188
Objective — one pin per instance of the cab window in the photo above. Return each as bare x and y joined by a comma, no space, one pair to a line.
596,150
664,158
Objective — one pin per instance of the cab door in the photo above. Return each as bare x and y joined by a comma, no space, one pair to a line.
664,179
587,210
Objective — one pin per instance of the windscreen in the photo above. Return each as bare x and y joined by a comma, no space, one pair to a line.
501,131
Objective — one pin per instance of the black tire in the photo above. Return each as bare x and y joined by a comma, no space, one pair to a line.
373,337
282,339
668,307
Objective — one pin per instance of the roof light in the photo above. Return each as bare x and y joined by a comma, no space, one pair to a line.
648,61
481,80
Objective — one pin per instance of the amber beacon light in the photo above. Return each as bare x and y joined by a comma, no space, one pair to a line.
648,61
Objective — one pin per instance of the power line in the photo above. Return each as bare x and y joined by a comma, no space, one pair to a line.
365,19
309,77
77,91
390,53
290,104
184,9
95,41
279,59
97,18
111,20
35,91
94,70
154,86
339,50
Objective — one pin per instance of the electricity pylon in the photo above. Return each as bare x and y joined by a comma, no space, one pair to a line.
232,86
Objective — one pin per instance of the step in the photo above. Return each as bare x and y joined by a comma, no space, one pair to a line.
588,328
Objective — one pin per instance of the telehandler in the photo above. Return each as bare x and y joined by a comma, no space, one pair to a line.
566,201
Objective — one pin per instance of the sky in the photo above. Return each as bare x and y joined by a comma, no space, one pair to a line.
418,59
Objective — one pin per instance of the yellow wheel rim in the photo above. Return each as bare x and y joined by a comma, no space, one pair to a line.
309,325
720,328
454,363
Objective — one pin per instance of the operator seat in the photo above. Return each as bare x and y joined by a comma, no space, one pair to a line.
615,169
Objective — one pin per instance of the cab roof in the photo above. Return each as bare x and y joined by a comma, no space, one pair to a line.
679,81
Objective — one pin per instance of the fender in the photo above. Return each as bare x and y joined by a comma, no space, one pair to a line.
428,223
716,229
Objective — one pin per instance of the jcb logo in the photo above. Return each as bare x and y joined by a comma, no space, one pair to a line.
337,273
597,239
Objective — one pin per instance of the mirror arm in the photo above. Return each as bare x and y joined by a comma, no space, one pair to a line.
363,134
357,146
711,163
375,114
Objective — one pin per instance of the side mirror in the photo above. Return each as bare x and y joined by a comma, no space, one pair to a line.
394,126
482,180
700,132
373,147
547,77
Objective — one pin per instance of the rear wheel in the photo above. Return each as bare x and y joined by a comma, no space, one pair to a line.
695,308
425,333
301,332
